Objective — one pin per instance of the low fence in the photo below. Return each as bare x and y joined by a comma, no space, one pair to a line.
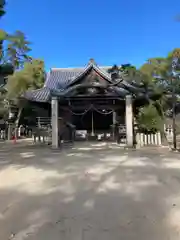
155,139
143,139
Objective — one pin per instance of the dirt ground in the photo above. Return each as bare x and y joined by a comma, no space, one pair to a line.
92,192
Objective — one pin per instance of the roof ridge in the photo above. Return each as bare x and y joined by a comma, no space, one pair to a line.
67,68
74,68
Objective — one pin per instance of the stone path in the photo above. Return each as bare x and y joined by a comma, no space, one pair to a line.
94,191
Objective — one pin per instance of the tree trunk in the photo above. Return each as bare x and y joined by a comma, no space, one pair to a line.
17,121
164,132
163,120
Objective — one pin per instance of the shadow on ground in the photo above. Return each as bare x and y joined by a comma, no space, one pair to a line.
93,191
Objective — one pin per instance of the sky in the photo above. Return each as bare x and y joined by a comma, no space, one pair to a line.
67,33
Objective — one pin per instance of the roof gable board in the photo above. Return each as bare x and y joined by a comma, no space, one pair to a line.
90,76
89,69
62,78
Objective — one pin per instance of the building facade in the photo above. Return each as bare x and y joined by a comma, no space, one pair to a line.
89,98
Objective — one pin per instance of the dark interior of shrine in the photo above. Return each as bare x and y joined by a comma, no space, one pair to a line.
93,119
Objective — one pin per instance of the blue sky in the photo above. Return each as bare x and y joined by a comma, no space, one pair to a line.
67,33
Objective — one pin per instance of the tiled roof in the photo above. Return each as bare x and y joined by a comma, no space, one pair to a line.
40,95
60,78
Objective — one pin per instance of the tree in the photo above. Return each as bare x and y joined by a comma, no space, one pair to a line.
3,36
2,33
32,76
153,77
18,72
36,69
125,72
132,75
148,119
159,72
114,71
17,49
2,5
12,58
5,68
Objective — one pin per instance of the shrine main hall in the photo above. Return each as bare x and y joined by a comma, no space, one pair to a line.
91,98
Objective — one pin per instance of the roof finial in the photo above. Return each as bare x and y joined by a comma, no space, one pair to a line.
92,61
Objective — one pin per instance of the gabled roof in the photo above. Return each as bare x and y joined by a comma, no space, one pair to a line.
60,81
100,71
61,78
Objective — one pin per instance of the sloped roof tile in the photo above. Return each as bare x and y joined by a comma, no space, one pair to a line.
60,78
40,95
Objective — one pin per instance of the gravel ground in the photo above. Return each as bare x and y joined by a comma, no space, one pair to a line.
94,191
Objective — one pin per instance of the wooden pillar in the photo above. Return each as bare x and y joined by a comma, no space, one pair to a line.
54,122
129,121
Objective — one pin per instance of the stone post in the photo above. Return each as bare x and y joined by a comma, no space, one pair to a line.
9,134
129,121
114,117
54,122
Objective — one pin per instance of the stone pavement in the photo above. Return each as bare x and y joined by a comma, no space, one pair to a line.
94,191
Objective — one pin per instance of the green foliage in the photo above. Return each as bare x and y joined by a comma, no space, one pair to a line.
2,5
114,71
148,119
3,35
128,71
159,70
17,49
13,57
30,77
2,38
6,69
125,71
131,74
36,70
